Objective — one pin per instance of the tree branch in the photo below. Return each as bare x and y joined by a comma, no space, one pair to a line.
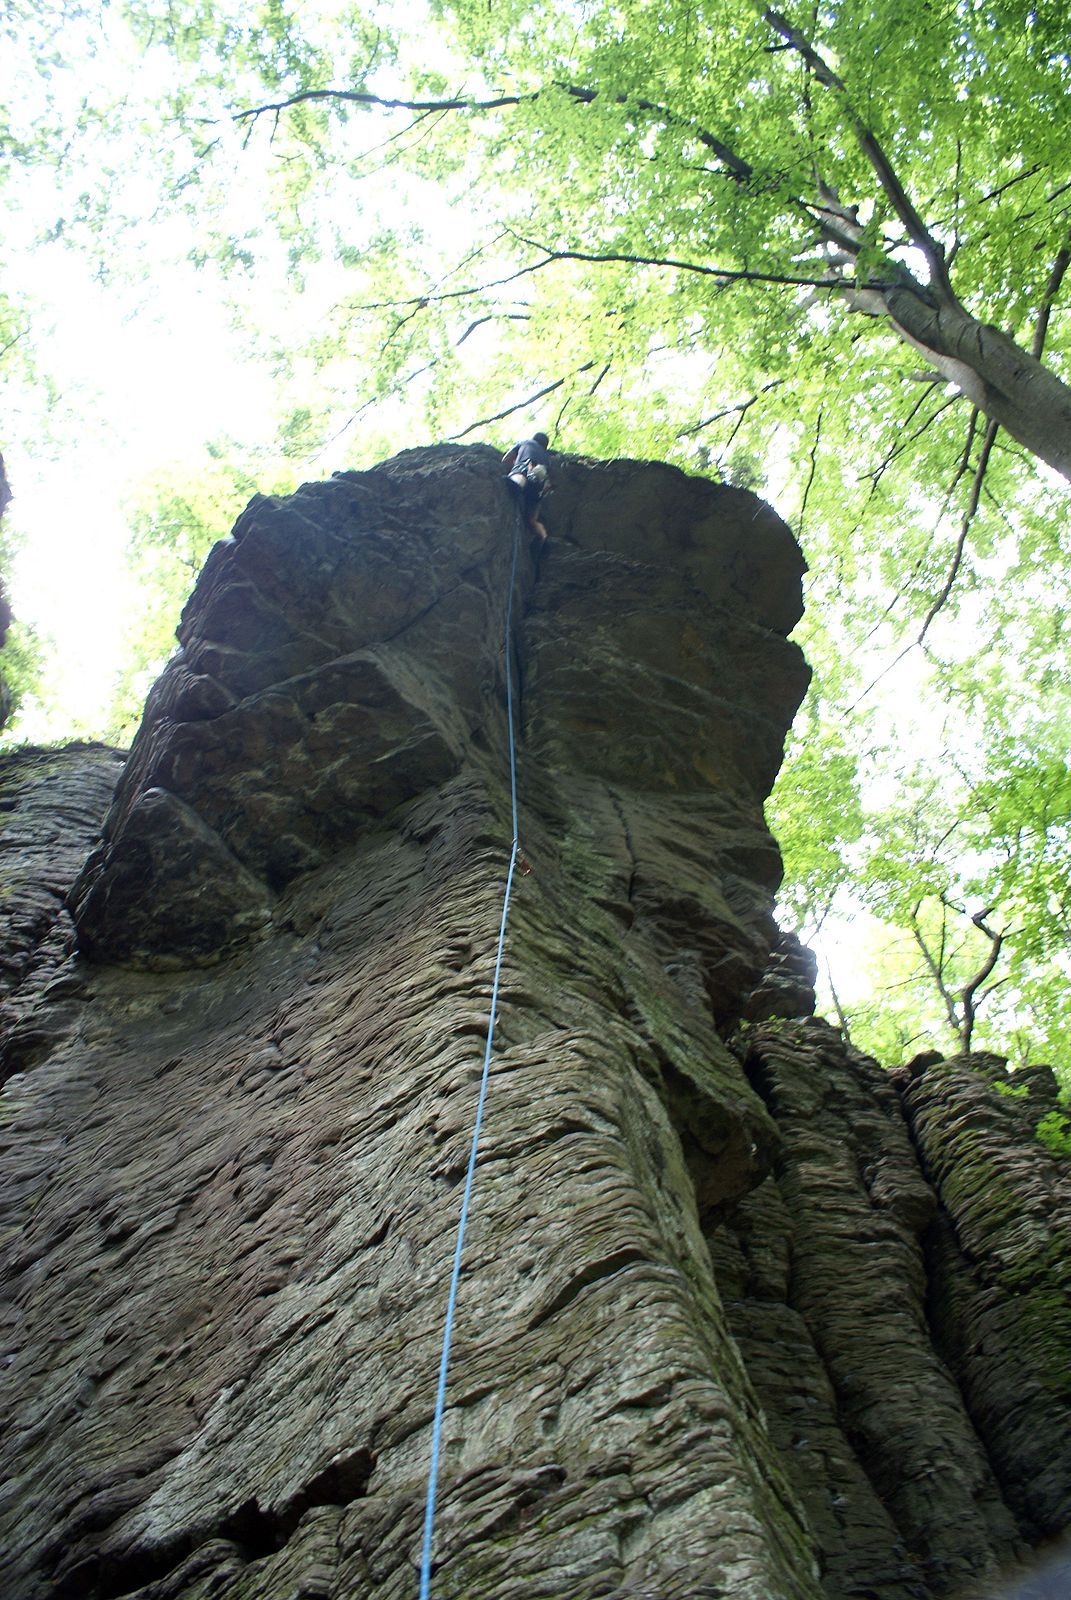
972,506
1052,289
970,989
723,274
968,516
935,972
11,343
422,300
737,167
492,316
838,1008
810,481
484,422
729,411
905,443
993,194
883,169
362,97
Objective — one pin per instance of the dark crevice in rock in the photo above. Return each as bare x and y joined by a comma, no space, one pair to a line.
615,801
251,1533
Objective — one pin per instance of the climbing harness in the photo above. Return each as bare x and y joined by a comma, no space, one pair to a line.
451,1302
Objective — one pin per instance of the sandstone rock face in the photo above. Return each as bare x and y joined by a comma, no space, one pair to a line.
692,1356
343,655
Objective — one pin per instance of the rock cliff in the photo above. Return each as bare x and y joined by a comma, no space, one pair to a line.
737,1315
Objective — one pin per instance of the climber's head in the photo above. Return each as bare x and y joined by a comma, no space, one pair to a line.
540,438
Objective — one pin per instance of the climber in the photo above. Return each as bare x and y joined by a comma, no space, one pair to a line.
527,469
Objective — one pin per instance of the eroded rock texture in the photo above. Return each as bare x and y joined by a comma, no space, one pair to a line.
692,1356
1002,1271
825,1277
51,806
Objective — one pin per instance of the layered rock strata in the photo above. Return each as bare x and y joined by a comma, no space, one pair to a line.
229,1294
1001,1270
692,1292
52,803
826,1279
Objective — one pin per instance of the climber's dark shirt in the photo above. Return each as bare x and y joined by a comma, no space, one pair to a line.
530,454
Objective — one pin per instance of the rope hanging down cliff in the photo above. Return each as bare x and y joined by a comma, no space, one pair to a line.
444,1361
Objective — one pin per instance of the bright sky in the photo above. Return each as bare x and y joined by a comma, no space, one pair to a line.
147,368
137,387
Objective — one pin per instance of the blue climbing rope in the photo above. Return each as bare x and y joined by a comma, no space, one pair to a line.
451,1302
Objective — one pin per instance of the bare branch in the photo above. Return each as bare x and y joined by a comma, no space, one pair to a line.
492,316
993,194
972,506
810,480
905,442
936,971
731,440
956,187
1052,289
729,411
737,167
970,989
422,300
838,1008
367,405
484,422
11,343
432,117
362,97
567,402
724,274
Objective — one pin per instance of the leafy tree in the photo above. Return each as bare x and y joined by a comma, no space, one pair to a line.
734,146
22,667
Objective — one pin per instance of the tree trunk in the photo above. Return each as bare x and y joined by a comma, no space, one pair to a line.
1004,381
